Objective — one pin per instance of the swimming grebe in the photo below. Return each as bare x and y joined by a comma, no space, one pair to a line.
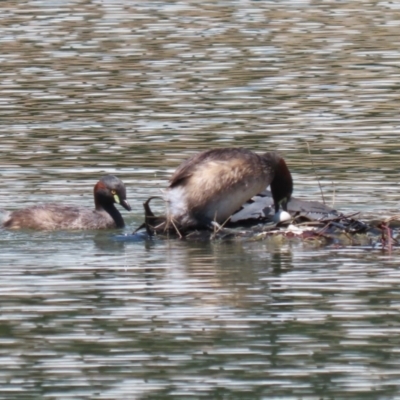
53,216
212,185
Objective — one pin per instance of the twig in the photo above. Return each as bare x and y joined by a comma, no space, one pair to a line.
176,228
315,173
217,227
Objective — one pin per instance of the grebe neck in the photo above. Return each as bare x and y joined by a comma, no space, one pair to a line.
114,213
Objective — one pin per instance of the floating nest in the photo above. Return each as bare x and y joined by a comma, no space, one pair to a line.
311,222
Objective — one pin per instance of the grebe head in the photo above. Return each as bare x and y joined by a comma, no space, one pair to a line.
109,190
282,183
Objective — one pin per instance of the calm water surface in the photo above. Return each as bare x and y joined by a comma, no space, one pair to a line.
132,88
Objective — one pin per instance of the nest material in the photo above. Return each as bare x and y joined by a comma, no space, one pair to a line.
335,228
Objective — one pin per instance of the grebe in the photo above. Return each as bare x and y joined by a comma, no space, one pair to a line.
214,184
53,216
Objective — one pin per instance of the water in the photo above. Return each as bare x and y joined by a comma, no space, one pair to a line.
132,88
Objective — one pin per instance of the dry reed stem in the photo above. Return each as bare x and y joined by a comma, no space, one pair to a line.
315,173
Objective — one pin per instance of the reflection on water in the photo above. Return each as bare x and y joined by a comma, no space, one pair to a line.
177,316
132,88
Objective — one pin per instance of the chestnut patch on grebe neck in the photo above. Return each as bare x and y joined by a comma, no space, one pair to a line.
98,188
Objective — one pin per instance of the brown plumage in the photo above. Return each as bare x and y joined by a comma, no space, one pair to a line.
212,185
53,216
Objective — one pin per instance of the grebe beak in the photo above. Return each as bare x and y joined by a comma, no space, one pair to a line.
125,204
281,204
